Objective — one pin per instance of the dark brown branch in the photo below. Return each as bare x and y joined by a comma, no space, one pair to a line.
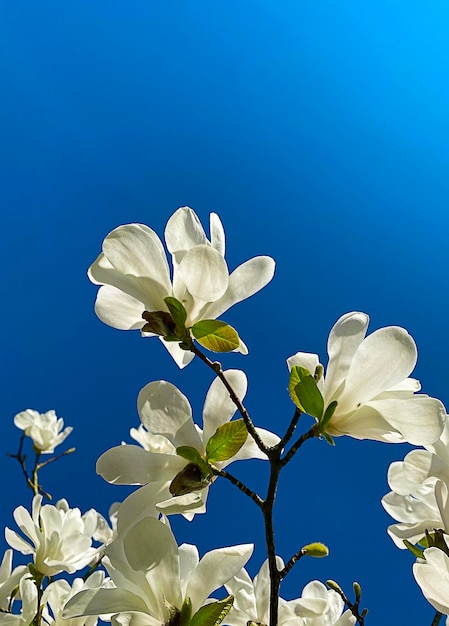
243,488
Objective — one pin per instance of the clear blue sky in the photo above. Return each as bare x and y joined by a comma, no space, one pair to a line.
319,131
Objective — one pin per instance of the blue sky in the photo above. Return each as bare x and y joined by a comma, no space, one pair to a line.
318,131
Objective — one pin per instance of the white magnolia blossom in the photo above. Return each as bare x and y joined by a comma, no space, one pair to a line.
28,597
135,275
419,496
153,576
432,575
9,579
45,429
318,606
59,538
368,377
167,417
59,592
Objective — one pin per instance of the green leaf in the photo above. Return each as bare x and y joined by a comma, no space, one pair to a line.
177,311
226,441
328,414
212,614
418,552
216,335
192,455
304,392
329,439
186,613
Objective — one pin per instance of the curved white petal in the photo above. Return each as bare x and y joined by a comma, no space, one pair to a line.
141,503
204,273
131,465
188,505
164,410
180,356
218,406
383,359
304,359
150,547
188,562
183,232
217,234
344,339
118,309
136,250
216,568
250,449
103,601
246,280
432,576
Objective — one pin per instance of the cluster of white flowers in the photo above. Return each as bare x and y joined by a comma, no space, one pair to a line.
137,575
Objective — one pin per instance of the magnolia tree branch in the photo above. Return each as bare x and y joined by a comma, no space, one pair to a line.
243,488
290,430
288,566
314,431
215,366
353,607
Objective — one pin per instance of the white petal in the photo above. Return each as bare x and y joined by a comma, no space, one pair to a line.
204,272
383,359
183,232
344,339
103,601
188,561
119,310
131,465
433,578
217,234
136,250
245,280
218,406
141,503
250,449
181,357
188,505
216,568
150,547
304,359
164,410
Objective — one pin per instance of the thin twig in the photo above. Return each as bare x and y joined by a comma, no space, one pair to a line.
437,618
290,430
55,458
216,367
288,566
314,431
353,607
243,488
267,509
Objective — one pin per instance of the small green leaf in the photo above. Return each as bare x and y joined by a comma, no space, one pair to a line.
317,550
226,441
216,335
177,311
212,614
186,613
329,439
192,455
304,392
418,552
328,414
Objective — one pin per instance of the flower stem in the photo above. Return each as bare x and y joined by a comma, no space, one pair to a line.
243,488
216,367
437,618
314,431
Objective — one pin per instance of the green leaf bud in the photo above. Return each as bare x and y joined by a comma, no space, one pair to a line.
216,335
316,550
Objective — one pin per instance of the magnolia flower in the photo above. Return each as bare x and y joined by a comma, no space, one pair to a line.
432,575
59,592
154,577
252,599
167,417
28,596
368,378
419,484
135,275
59,538
319,606
45,429
9,579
